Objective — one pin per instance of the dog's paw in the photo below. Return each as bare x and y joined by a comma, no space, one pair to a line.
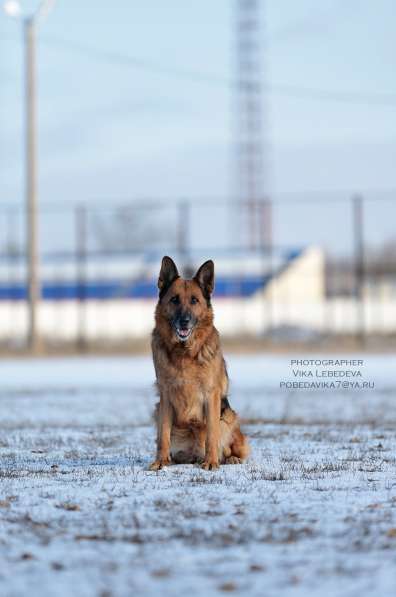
233,460
159,464
210,465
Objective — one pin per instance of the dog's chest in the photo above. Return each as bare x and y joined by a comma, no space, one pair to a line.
188,397
187,391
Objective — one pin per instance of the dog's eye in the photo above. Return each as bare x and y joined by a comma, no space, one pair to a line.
175,300
194,300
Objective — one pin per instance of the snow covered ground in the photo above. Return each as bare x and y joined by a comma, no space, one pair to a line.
312,512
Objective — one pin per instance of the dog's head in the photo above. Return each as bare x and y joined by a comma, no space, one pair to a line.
183,304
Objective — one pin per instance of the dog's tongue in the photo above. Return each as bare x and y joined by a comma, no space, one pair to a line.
183,333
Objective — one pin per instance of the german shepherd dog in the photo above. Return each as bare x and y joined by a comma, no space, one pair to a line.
195,423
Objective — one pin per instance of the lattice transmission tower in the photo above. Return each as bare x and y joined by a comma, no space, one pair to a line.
251,132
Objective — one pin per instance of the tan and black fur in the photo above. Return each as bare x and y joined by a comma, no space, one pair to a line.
195,422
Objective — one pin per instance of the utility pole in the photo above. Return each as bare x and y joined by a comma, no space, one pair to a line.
32,234
29,22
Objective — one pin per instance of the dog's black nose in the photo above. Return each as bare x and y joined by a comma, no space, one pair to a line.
185,320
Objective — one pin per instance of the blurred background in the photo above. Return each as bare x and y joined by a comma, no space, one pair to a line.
260,134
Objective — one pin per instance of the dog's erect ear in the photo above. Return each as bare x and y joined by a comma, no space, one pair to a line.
205,278
167,275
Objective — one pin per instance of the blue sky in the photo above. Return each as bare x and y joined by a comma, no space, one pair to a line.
112,132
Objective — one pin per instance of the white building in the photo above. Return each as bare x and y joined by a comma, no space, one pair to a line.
111,299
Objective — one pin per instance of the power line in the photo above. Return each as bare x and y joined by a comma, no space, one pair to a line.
351,97
384,99
284,90
123,60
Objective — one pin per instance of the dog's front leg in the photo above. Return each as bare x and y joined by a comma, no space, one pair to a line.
164,435
213,433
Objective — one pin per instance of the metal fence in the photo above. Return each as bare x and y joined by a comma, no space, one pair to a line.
98,263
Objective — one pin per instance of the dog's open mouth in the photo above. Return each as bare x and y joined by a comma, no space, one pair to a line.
183,333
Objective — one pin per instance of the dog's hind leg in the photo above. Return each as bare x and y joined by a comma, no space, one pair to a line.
235,448
239,448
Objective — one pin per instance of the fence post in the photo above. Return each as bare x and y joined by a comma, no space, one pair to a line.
13,254
358,234
81,262
266,243
183,237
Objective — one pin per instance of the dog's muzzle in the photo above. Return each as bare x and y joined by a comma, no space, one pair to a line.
184,326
